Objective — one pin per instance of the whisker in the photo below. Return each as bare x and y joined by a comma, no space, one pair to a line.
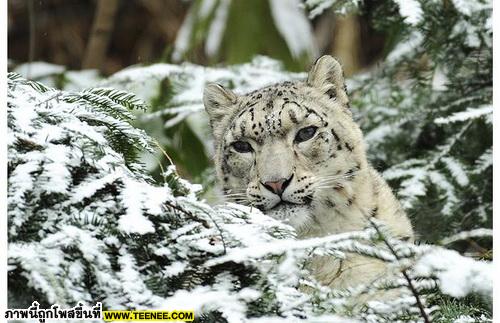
330,179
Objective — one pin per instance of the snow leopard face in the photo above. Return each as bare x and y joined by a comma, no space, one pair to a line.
287,148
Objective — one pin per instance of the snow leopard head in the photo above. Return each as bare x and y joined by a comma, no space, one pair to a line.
286,148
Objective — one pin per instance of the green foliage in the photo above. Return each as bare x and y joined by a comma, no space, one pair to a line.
471,307
252,32
427,113
236,31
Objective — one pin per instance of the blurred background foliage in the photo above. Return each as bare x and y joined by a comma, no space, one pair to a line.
147,31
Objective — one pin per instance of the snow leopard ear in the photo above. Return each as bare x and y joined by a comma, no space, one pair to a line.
219,102
327,76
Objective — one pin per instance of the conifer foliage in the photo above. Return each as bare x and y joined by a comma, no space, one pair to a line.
427,109
88,223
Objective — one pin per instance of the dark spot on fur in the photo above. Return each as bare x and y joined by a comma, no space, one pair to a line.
332,93
307,199
349,147
293,116
329,203
242,128
241,113
338,187
214,103
335,135
351,173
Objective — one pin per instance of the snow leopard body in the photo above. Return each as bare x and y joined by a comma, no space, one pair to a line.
293,151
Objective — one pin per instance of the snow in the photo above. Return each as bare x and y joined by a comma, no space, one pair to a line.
206,8
88,188
322,319
406,47
293,25
181,44
476,233
413,184
439,79
202,300
55,171
137,197
484,161
38,70
175,268
317,7
217,28
24,114
447,189
471,31
468,8
187,100
379,134
470,113
457,170
470,319
259,250
77,80
410,10
457,275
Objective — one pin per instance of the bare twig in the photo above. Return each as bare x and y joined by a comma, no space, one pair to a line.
158,145
189,214
412,288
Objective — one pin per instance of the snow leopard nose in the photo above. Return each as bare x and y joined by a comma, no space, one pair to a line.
279,186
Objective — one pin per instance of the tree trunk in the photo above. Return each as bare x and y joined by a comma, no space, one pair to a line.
347,42
101,32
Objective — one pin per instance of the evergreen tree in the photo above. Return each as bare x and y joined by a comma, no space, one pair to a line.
427,110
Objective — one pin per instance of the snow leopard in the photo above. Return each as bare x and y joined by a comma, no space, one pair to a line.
294,151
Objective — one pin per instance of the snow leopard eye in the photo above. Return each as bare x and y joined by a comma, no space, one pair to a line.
305,134
242,146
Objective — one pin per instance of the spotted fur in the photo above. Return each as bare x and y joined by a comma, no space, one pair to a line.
331,186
